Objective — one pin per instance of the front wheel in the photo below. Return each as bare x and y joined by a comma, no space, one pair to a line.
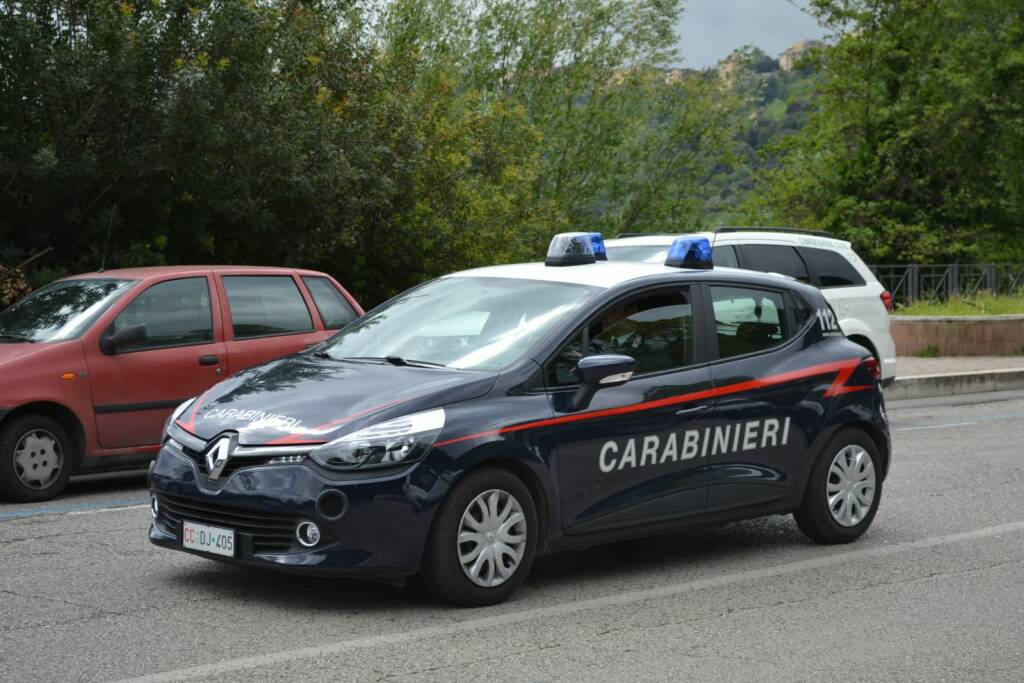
36,457
844,489
483,540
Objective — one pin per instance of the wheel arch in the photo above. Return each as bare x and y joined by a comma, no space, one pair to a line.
62,414
525,473
866,342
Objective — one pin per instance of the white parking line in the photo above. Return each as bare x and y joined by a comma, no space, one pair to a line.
327,649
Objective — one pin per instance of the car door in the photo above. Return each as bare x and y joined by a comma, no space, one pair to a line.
764,409
631,457
267,316
135,387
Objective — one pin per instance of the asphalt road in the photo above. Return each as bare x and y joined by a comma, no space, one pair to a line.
934,591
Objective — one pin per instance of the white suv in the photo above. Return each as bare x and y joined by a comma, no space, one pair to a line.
861,303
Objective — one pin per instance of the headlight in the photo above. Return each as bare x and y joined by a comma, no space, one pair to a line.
176,414
403,439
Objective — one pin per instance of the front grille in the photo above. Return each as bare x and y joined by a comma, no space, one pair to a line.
232,465
271,533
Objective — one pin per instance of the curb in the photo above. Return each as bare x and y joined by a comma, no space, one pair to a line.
976,382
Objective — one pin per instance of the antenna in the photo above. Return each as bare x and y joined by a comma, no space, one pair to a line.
106,245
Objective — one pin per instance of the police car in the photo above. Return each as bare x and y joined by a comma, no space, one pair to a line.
480,419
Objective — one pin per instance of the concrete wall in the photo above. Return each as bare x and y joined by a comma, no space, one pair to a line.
996,335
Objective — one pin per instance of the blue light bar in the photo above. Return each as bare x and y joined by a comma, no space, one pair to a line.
597,244
690,252
571,249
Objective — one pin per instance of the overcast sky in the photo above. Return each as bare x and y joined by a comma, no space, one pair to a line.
710,29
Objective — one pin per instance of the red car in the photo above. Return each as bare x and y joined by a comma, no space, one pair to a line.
91,366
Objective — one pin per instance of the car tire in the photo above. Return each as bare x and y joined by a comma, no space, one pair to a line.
844,489
493,513
36,458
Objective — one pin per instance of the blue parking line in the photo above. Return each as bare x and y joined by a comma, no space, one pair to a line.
72,507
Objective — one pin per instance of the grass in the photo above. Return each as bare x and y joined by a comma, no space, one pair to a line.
979,304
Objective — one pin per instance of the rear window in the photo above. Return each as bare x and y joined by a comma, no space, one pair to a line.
333,308
775,258
832,268
266,305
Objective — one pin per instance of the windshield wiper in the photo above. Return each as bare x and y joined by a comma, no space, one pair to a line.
398,360
394,360
16,338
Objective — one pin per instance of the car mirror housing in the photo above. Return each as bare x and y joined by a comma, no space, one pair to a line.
111,341
599,372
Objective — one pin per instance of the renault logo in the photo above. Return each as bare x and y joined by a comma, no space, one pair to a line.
218,453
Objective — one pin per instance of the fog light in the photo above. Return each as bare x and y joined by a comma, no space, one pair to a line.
308,534
154,507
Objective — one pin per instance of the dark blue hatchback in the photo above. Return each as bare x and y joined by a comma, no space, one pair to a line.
477,420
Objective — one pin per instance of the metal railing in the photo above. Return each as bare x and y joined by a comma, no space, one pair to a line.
940,282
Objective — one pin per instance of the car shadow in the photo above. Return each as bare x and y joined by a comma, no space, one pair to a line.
620,561
132,481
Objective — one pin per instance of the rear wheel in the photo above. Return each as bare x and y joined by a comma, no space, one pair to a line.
36,456
844,489
483,540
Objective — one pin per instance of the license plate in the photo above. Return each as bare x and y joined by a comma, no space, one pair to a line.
208,539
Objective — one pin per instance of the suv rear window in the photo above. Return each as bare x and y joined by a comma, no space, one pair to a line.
333,308
266,305
775,258
832,268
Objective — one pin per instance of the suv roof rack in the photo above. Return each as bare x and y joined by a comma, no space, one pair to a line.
754,228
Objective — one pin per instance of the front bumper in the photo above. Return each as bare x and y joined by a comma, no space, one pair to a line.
382,531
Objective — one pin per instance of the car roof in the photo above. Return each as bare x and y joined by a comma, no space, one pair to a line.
160,271
735,236
608,274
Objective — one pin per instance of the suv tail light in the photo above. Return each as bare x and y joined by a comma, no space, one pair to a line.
871,363
886,298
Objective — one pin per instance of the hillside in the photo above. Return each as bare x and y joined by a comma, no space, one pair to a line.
774,99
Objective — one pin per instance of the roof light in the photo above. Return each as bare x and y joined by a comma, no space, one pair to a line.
690,252
597,244
571,249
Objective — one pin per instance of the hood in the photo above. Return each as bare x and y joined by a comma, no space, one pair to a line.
305,399
12,352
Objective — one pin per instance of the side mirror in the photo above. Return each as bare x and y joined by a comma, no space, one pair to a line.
599,372
111,341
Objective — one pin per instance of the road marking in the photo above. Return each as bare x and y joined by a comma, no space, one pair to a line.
510,618
76,508
938,426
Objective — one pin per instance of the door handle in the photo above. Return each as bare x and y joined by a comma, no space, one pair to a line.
208,360
692,410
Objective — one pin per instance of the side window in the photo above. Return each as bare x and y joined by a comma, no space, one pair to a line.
266,305
832,268
775,258
175,313
748,320
725,256
334,310
656,330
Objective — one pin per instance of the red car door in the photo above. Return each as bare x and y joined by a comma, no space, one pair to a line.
176,352
267,315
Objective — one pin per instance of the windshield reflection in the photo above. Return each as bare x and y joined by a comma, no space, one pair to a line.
60,310
481,323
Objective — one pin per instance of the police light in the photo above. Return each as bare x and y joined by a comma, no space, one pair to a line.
690,252
572,249
597,244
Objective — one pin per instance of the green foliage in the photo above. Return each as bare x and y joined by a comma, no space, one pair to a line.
983,303
914,150
385,141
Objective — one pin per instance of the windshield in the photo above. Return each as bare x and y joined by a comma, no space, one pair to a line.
60,310
651,253
480,323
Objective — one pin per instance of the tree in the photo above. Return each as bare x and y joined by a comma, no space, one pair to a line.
914,150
